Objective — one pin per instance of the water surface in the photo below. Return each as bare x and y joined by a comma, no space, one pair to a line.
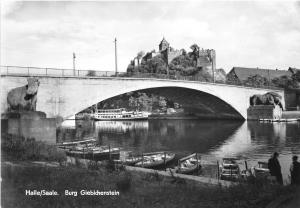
251,141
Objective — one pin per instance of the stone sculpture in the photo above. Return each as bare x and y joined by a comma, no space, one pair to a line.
24,98
269,98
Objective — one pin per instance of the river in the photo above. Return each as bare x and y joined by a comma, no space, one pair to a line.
251,141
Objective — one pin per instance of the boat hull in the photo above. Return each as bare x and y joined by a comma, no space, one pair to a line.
188,170
156,164
120,119
94,156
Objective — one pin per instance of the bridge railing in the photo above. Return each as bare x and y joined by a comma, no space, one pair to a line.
32,71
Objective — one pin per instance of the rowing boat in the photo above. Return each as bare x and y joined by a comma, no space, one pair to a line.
230,169
155,159
188,164
94,152
67,145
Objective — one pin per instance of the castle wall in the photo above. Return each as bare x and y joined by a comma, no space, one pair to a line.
172,55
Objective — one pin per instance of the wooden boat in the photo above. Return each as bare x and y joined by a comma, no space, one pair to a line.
261,170
188,164
229,169
131,161
94,152
70,144
128,158
155,159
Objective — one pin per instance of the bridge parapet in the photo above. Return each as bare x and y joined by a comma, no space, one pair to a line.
32,71
65,96
57,72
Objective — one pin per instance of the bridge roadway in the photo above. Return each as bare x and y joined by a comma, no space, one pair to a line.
68,95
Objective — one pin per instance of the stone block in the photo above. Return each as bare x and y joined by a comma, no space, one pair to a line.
264,112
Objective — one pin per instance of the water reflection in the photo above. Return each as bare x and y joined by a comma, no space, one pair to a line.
120,126
253,141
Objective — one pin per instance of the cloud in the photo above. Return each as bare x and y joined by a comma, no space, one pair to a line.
250,34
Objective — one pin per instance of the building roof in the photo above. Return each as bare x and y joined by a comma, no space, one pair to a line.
293,70
163,41
243,73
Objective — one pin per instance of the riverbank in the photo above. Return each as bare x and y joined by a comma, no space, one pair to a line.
135,188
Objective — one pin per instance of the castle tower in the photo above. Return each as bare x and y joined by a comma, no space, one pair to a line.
163,45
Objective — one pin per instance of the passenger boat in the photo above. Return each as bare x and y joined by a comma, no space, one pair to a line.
94,152
70,144
188,165
155,159
229,169
119,114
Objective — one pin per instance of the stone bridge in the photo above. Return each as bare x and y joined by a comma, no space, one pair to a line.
66,96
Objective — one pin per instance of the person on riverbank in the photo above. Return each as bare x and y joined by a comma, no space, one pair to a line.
275,168
295,171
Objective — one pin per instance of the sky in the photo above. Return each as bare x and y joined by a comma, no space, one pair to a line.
243,33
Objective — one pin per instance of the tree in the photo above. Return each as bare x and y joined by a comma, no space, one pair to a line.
287,82
91,73
157,65
296,79
257,81
194,47
132,102
282,82
195,52
162,103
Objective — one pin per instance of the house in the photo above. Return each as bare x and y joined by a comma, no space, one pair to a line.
241,74
293,70
292,95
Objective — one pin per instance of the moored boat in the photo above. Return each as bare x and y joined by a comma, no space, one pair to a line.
261,170
155,159
119,114
94,152
127,158
70,144
188,164
229,169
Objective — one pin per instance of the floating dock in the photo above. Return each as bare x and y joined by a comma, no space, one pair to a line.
280,120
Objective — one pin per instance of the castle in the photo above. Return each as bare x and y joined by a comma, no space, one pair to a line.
206,57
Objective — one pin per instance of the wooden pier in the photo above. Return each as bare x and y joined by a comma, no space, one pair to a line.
281,120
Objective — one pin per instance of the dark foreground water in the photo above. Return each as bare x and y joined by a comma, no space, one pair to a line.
251,141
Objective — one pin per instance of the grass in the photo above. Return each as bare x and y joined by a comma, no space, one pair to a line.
136,189
23,149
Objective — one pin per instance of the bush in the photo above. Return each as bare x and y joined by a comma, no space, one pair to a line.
91,73
124,181
18,148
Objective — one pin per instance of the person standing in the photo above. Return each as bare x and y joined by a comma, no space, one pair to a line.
295,171
275,168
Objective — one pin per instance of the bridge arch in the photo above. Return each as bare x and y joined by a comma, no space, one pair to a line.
193,101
